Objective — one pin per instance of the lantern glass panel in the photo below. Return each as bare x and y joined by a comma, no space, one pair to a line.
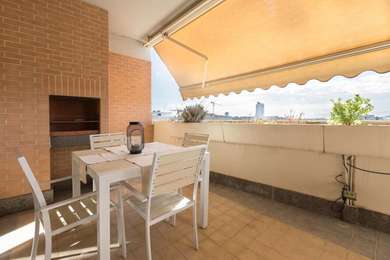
135,137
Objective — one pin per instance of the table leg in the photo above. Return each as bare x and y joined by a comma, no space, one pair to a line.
75,178
103,209
204,192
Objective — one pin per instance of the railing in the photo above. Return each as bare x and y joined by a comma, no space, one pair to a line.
301,157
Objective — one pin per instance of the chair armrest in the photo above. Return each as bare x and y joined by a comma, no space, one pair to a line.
68,201
134,192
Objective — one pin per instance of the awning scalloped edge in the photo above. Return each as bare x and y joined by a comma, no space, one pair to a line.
252,89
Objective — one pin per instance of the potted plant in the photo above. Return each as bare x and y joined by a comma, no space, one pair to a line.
351,111
193,114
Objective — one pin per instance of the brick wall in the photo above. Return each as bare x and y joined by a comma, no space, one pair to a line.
129,97
129,93
46,47
61,160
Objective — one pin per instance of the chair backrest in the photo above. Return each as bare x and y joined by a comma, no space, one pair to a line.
39,199
193,139
176,169
107,140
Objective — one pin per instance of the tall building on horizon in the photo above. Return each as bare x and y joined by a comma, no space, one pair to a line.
259,110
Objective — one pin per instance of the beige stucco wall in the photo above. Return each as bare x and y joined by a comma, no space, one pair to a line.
302,158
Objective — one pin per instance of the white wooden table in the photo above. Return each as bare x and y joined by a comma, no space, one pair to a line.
109,172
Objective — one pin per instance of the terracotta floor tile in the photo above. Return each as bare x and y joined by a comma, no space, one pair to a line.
355,256
248,255
333,252
241,226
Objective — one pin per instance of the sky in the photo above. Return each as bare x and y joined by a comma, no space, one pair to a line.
313,99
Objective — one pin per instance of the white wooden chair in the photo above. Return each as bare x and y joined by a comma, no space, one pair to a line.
171,171
65,215
192,139
100,141
106,140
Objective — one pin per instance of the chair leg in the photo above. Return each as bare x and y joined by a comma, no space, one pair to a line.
148,243
121,224
47,246
173,218
35,242
195,227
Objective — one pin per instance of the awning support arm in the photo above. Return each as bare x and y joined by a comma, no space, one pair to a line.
206,59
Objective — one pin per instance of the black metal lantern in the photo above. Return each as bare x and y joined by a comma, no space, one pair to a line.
135,137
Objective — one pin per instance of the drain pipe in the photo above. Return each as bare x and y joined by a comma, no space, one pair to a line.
348,193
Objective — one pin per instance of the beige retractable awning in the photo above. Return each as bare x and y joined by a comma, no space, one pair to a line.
259,43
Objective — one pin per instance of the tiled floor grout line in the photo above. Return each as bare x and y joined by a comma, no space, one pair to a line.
253,229
376,245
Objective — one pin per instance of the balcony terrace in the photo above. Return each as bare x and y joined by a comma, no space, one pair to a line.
76,71
241,226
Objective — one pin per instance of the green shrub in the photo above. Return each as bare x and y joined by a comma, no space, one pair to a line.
193,114
351,111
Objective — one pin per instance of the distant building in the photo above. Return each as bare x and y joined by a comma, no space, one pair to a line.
228,117
259,110
163,115
227,114
372,117
271,118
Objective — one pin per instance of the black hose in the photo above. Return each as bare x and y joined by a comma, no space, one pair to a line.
369,171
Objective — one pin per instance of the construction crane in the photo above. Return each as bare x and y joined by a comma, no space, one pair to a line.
213,107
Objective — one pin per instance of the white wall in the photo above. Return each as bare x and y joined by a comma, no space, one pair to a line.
302,158
128,47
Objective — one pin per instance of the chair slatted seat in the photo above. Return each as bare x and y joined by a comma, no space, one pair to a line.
193,139
80,210
161,205
65,215
73,212
171,171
